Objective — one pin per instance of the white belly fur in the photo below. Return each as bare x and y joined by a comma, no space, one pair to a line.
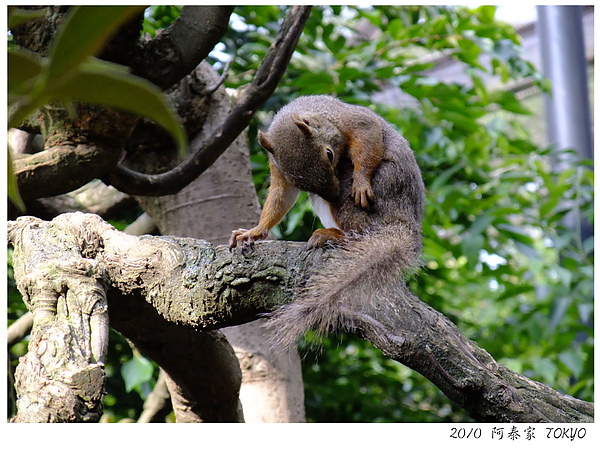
322,209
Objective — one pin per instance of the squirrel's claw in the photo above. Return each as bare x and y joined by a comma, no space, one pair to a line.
362,195
325,236
244,239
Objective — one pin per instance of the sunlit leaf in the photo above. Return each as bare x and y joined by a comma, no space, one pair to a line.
573,360
486,13
546,368
136,371
109,85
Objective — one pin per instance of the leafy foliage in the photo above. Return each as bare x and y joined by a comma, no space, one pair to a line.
349,381
159,17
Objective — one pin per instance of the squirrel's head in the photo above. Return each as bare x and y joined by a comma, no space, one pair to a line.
306,149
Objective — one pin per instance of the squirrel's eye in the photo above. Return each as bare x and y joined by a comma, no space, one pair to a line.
330,155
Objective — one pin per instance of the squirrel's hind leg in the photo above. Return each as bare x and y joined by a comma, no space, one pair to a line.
324,236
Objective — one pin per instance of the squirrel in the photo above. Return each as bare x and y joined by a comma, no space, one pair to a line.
366,187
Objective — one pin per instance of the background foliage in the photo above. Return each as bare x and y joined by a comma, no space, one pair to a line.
500,261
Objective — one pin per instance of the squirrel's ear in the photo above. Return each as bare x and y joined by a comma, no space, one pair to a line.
265,142
303,124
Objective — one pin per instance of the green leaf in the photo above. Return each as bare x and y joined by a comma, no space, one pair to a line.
336,45
507,101
23,66
546,369
471,245
480,224
136,371
588,245
517,233
560,308
318,83
17,16
443,178
574,361
486,13
586,311
513,364
514,291
13,188
109,84
350,73
83,34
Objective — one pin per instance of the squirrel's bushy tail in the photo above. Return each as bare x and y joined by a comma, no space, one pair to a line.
357,275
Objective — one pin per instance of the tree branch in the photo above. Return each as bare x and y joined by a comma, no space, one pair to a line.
61,378
62,168
19,329
205,153
175,52
414,334
168,285
158,403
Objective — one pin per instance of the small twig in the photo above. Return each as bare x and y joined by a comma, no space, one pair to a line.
158,402
209,90
19,329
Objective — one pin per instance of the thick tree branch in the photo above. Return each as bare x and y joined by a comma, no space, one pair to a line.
76,150
205,153
65,166
61,378
175,52
166,285
411,332
62,168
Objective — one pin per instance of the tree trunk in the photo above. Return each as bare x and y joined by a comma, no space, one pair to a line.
223,199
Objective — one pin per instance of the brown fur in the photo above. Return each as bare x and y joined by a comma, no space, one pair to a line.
372,186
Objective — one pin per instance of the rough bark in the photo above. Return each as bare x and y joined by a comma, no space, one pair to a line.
202,372
165,281
182,214
272,389
61,378
37,174
411,332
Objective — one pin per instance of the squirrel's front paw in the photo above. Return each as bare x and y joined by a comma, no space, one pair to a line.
362,193
244,239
